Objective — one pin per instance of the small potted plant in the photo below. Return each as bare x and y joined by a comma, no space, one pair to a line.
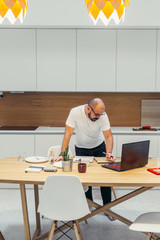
66,162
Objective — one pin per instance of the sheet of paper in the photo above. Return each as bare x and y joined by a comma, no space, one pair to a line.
81,158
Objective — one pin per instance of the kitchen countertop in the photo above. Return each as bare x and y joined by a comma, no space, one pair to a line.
61,130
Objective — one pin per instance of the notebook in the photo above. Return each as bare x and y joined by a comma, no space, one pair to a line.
101,160
134,155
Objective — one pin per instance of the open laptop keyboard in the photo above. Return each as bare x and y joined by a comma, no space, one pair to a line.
115,165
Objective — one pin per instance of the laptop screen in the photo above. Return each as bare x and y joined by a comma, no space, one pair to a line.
134,155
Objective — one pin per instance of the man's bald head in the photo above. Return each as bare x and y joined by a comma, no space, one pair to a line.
96,101
95,109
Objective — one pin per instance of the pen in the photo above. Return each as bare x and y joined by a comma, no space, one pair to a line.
107,153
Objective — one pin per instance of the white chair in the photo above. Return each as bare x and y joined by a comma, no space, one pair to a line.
57,151
147,222
63,199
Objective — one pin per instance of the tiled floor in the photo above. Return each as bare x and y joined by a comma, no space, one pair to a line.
98,227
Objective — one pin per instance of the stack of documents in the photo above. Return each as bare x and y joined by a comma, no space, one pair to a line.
34,168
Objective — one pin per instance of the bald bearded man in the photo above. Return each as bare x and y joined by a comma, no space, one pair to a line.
93,136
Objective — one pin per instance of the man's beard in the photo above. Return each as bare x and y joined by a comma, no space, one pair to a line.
92,119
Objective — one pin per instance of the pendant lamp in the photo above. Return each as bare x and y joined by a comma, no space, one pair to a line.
13,10
106,10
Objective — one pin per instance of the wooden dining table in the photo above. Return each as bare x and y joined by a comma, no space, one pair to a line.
13,171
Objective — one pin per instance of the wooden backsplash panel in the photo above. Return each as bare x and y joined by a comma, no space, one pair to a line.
150,114
51,109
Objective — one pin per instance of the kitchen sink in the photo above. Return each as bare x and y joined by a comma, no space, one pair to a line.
18,128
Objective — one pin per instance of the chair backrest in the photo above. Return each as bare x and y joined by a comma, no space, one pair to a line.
63,198
57,151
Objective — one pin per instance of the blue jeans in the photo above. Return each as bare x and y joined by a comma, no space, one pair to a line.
96,152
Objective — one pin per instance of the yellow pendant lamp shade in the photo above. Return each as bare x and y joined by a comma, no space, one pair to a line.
106,10
12,10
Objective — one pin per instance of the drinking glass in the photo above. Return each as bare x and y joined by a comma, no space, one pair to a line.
21,157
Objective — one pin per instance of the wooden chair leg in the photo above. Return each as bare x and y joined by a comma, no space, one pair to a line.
79,230
51,232
114,193
149,236
76,231
1,236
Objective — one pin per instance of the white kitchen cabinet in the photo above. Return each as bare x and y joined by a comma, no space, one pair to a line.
17,60
14,144
158,155
153,150
56,60
114,145
96,60
136,60
158,63
44,142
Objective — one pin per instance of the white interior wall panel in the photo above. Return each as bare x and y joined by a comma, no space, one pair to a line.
73,13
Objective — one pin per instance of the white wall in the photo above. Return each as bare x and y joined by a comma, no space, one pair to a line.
73,13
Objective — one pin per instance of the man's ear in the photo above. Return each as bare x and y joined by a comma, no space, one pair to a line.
88,108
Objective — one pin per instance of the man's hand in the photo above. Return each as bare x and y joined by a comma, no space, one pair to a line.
59,158
110,157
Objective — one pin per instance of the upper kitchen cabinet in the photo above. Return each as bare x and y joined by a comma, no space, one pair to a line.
158,64
136,60
56,60
96,60
17,60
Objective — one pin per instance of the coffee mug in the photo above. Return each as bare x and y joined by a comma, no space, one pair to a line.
82,167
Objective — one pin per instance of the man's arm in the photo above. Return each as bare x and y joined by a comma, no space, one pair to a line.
67,136
109,144
109,140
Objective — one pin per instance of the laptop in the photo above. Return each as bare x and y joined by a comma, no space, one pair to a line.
134,155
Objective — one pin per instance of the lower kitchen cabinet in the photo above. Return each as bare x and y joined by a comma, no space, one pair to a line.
114,145
153,150
14,144
158,154
44,142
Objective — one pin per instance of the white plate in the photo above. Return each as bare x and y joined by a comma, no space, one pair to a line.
58,164
36,159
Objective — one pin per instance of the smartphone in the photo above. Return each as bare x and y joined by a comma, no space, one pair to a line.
50,169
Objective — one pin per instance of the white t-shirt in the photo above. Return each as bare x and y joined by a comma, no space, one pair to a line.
88,134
